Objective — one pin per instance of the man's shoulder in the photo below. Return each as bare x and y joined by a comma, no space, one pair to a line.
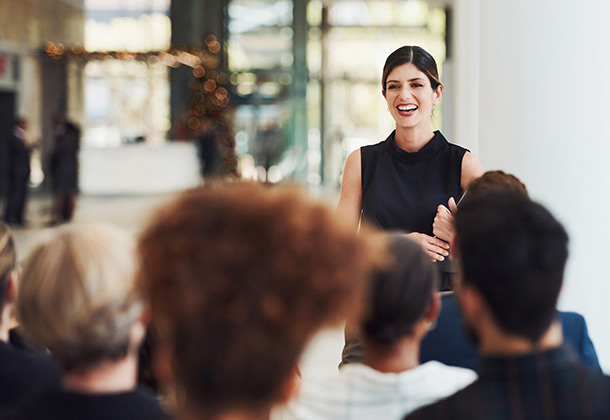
28,364
456,407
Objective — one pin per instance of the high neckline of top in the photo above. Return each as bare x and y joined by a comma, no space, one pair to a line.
435,145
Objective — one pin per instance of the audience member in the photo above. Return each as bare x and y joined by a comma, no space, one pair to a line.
240,277
22,371
77,298
18,174
511,254
403,306
450,326
64,169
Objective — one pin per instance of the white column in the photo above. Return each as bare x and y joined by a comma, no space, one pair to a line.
544,116
465,65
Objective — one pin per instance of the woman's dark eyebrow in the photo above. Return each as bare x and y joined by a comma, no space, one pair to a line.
410,80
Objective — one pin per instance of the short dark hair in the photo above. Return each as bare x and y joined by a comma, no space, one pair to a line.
513,251
496,181
400,295
240,276
419,57
8,260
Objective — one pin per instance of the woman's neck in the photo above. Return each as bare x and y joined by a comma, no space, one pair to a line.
404,355
107,378
413,139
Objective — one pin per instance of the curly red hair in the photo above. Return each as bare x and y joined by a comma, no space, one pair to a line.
241,276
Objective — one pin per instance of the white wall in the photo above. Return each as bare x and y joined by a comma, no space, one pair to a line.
544,115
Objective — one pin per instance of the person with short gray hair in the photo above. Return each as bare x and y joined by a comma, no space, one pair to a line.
78,299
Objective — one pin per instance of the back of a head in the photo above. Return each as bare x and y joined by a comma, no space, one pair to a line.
513,251
401,295
8,259
77,297
492,181
239,277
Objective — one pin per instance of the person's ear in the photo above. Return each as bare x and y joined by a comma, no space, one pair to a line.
471,302
436,95
10,294
435,309
145,316
383,93
291,387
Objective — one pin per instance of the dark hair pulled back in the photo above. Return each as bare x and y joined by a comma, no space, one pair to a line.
401,295
419,57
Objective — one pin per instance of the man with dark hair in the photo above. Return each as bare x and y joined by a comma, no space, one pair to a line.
512,254
450,325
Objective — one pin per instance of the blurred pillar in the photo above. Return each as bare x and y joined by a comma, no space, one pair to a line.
192,21
325,147
543,116
461,96
7,117
299,85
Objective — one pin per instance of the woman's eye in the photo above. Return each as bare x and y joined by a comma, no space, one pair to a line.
392,86
417,85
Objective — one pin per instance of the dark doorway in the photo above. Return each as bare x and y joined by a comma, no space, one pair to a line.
7,117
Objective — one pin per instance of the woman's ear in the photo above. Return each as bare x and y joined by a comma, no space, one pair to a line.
436,95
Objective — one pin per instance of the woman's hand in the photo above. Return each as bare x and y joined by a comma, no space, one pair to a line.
436,249
443,221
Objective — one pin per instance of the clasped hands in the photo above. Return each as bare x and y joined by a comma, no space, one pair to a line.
437,246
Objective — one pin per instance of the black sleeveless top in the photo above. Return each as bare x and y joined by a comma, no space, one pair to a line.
402,190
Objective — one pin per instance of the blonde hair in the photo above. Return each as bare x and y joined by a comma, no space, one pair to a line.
77,295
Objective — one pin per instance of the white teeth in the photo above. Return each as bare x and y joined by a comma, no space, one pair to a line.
407,108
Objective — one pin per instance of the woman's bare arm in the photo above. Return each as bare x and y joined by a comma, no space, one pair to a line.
350,201
471,169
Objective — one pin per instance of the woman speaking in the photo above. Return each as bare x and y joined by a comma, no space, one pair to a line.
399,183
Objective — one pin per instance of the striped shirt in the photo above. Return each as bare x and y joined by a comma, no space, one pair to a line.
541,386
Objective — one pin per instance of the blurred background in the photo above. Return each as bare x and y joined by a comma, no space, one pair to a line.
287,87
169,92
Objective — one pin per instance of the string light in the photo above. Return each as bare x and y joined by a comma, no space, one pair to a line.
208,99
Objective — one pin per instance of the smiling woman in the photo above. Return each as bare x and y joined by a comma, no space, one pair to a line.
399,183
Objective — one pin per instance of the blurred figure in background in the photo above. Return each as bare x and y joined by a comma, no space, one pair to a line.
22,371
240,277
77,298
19,174
64,170
402,307
207,149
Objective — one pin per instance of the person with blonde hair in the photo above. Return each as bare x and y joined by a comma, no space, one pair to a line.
22,371
77,298
240,277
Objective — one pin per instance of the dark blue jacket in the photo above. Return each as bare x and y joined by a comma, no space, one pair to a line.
449,344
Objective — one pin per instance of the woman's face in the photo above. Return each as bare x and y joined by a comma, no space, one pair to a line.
410,96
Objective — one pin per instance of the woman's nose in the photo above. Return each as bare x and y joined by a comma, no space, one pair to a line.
405,93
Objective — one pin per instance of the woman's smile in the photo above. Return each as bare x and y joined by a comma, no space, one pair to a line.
410,96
